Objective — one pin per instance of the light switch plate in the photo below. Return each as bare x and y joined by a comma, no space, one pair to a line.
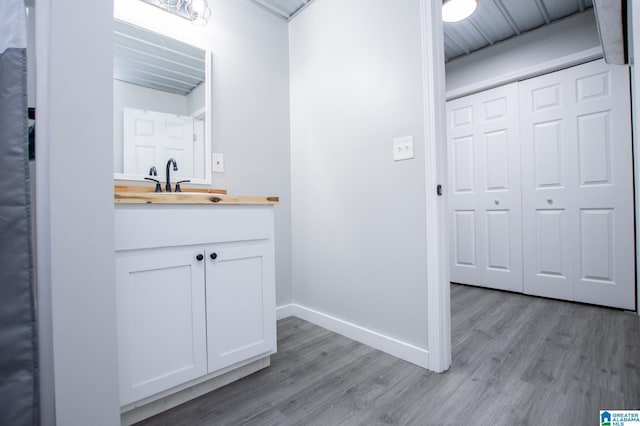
217,162
403,148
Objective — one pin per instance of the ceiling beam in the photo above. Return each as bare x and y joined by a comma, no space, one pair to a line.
482,33
456,44
507,16
543,11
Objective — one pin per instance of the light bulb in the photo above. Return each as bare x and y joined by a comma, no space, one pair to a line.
457,10
198,7
198,11
172,4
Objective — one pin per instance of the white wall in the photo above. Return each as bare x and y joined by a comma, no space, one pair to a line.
134,96
568,36
251,115
359,247
250,103
75,211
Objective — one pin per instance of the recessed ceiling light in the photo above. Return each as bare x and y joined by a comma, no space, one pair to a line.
457,10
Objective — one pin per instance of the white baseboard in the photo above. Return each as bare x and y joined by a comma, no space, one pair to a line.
284,311
390,345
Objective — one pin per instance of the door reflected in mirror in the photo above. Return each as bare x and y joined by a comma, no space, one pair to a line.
162,98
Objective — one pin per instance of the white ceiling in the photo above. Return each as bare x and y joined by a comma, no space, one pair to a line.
497,20
493,21
285,9
152,60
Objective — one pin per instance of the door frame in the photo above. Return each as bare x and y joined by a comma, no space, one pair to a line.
437,233
634,14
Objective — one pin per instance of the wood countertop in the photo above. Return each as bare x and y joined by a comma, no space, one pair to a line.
144,195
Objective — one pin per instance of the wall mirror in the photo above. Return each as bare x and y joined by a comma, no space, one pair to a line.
162,106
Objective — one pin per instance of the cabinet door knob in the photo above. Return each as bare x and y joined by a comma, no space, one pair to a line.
213,256
199,257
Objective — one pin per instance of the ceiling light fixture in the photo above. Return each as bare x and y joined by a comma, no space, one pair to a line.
457,10
196,11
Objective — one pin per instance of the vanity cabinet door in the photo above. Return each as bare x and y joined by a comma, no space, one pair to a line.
161,320
240,303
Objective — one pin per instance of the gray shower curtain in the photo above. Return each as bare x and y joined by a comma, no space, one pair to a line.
18,356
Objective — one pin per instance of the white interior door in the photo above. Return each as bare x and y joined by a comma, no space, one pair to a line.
198,149
140,136
151,138
485,201
577,185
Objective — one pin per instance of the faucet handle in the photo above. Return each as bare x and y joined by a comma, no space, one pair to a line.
158,187
178,189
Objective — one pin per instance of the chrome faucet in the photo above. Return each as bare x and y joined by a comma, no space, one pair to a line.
175,169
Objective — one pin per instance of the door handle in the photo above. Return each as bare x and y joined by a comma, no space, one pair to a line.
496,202
549,200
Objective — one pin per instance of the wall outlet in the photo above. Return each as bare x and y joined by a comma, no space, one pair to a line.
403,148
217,162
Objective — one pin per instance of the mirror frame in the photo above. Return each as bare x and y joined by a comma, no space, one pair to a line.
208,140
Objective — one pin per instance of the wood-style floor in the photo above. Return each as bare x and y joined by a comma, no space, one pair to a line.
517,360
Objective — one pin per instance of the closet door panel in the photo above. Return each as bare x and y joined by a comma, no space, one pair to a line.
604,198
486,242
500,188
464,234
577,169
464,229
546,138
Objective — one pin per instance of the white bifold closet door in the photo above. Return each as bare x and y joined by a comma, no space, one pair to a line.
485,201
577,179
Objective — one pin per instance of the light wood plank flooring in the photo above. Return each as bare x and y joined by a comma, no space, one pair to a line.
517,360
